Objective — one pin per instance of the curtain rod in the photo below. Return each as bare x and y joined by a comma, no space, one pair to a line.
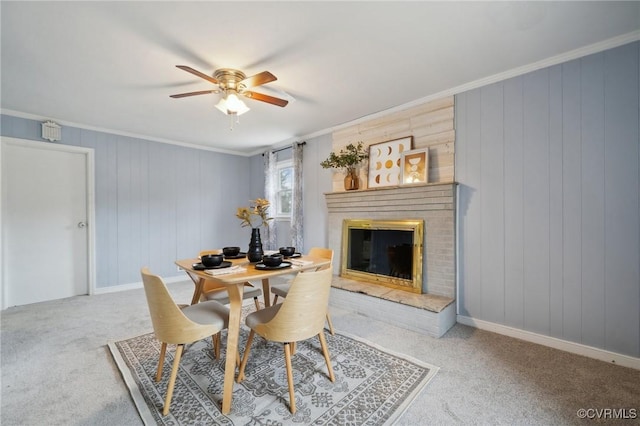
287,147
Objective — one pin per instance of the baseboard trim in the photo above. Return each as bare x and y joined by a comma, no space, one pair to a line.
553,342
136,285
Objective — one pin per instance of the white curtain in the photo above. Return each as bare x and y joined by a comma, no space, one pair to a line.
297,226
270,194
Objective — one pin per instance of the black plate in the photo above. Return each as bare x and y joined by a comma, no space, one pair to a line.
240,255
201,267
293,256
264,267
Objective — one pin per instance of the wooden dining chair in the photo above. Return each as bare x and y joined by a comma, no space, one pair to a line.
180,326
281,290
212,290
299,317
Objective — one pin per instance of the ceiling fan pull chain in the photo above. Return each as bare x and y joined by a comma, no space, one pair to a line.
231,118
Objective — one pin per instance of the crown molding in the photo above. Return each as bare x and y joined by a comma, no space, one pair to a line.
35,117
553,60
548,62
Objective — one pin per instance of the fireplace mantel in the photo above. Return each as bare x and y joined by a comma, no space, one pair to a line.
444,191
433,203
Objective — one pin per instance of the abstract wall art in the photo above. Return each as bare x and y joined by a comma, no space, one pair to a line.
415,166
384,162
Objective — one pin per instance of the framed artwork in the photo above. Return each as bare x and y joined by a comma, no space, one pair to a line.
415,166
384,162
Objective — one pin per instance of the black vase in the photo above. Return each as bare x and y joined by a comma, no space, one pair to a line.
255,252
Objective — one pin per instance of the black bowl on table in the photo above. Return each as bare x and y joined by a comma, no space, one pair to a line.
231,251
287,251
272,260
211,260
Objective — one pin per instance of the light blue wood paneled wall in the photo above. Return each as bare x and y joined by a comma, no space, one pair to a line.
317,182
549,170
156,202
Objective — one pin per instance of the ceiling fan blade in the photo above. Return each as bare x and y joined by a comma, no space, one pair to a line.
278,93
266,98
198,73
258,79
184,95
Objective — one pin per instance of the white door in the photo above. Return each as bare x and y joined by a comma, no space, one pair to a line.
44,222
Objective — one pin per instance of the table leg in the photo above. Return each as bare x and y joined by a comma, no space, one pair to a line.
198,290
233,333
266,292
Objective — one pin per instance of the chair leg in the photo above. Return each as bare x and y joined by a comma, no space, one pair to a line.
275,299
216,344
327,358
257,302
330,324
163,351
172,380
243,364
292,394
293,348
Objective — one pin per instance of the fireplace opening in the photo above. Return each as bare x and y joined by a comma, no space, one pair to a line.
381,251
388,253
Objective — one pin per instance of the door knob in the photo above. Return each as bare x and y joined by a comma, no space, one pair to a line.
82,224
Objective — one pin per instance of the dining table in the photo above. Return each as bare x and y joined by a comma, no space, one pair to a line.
243,272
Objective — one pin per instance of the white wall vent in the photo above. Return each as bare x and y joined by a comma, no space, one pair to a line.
51,131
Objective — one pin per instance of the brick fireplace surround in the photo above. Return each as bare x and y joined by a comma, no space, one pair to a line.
432,312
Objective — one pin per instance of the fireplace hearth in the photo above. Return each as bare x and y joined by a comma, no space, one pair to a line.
432,311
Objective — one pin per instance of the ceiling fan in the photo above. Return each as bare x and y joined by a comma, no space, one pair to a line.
232,83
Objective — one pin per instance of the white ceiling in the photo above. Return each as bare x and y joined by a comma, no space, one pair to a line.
111,65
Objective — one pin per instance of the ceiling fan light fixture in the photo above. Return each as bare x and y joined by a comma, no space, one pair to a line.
231,82
232,105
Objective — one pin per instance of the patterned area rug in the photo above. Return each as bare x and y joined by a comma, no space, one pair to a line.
373,386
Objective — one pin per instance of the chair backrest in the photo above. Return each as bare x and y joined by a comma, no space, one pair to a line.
215,251
170,325
324,253
303,312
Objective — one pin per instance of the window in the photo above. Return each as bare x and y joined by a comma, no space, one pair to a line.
284,189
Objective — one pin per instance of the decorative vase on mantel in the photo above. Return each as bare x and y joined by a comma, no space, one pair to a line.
351,180
255,252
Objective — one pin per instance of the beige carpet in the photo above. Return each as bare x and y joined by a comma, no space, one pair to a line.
373,385
57,370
